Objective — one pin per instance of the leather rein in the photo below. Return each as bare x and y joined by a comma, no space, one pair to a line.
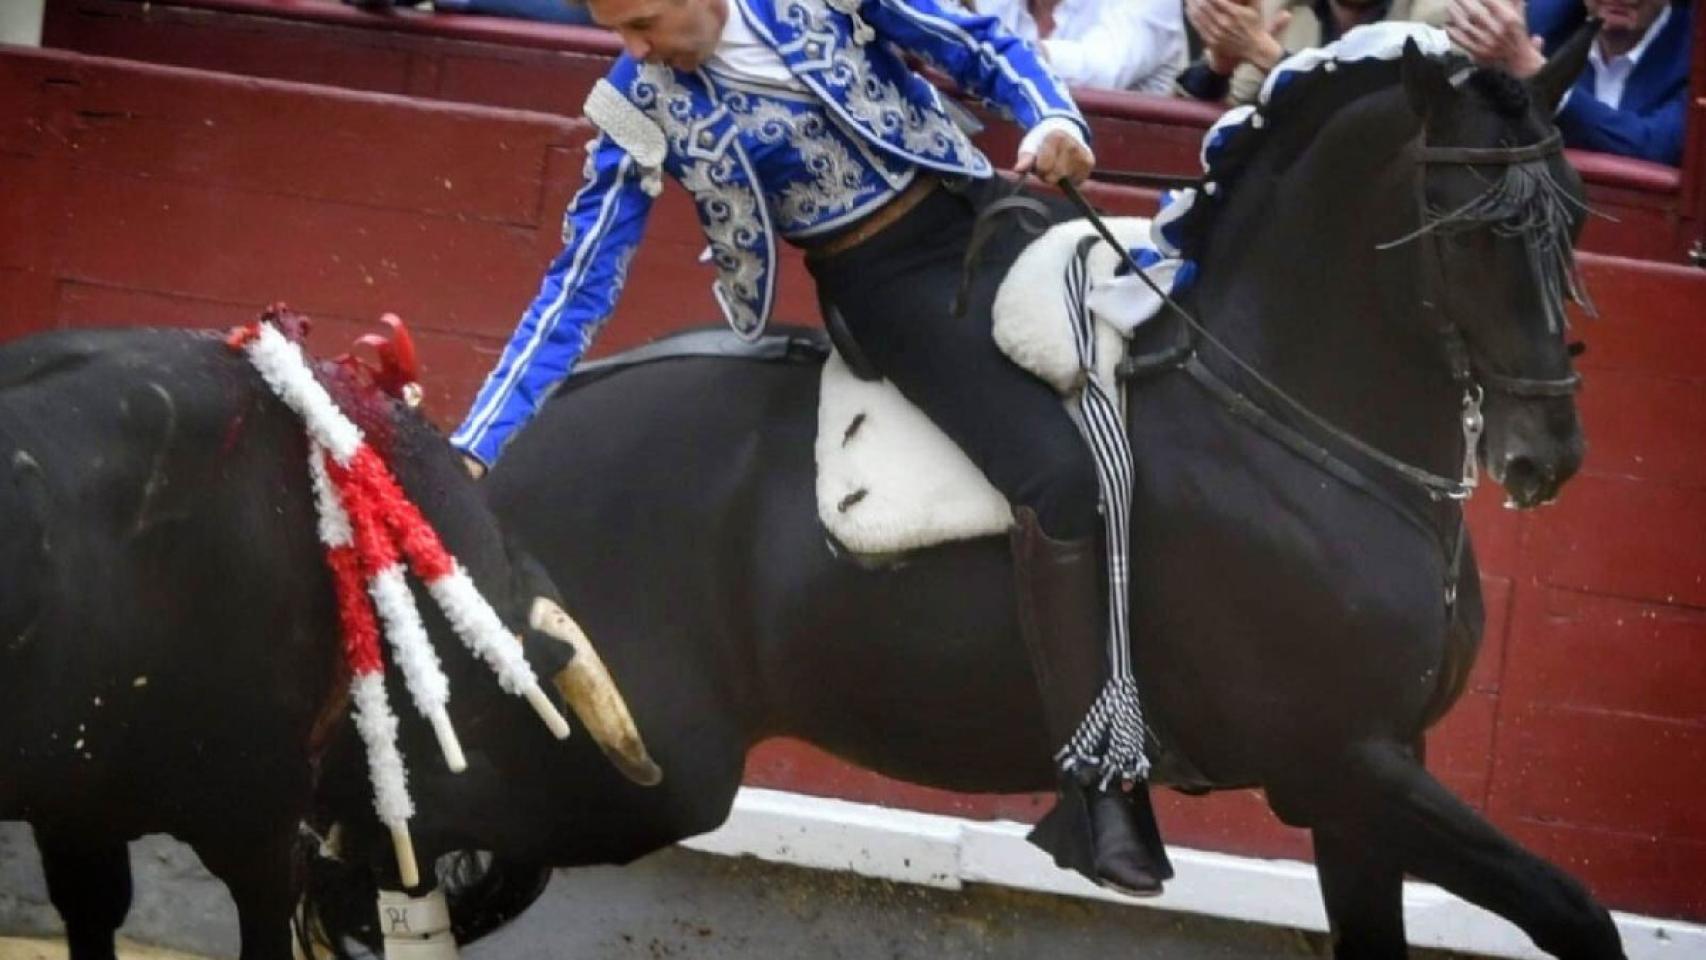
1472,378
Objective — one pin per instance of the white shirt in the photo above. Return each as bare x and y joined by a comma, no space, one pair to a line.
1117,44
1609,79
742,55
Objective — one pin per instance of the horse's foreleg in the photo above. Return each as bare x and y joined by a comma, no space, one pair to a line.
1438,838
1363,889
88,882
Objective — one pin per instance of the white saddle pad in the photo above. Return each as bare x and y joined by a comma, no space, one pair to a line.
890,481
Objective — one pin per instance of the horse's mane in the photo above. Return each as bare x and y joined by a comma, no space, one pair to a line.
1301,94
1308,88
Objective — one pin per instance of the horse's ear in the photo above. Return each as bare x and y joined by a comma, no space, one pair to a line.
1425,81
1563,67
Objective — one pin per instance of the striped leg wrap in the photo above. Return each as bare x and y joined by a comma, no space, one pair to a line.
1110,740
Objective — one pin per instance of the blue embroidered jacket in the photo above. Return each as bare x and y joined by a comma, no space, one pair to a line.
759,160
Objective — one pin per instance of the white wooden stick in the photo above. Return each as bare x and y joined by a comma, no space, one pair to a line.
404,847
448,744
547,710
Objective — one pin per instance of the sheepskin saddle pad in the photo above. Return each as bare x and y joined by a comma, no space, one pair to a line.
889,481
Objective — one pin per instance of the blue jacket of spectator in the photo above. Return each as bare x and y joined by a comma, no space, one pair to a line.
1648,124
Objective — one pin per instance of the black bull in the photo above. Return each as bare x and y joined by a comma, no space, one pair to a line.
169,654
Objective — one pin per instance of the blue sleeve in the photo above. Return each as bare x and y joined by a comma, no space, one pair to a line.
1589,124
980,55
602,229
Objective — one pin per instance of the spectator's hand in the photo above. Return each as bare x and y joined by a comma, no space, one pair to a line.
1494,34
475,468
1061,157
1233,33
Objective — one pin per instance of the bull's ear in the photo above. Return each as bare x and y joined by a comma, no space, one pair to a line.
1563,67
1425,81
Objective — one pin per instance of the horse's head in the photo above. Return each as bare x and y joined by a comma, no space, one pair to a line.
1502,209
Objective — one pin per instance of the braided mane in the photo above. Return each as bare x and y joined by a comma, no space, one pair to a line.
1302,92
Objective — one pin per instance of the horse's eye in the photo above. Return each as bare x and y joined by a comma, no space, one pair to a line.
1576,348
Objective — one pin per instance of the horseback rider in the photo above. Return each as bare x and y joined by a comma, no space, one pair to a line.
800,118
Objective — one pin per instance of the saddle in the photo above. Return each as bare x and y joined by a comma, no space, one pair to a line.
890,481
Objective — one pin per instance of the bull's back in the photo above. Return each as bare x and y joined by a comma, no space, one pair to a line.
181,604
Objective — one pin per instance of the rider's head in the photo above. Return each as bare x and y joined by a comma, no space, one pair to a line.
679,33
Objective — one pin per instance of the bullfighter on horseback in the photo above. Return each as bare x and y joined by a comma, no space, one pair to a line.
800,118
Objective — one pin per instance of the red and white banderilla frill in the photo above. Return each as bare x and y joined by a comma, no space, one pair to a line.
370,529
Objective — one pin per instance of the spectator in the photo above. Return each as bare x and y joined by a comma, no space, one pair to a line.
1633,97
550,11
1243,39
1117,44
547,11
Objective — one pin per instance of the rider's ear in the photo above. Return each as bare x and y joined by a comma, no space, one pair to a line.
1562,68
1425,81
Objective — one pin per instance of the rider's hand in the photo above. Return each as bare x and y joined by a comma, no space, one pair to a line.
1494,34
1060,157
476,469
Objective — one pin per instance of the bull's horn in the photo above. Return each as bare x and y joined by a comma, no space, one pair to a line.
587,686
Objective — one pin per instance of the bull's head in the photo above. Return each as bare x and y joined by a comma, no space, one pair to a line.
584,682
517,586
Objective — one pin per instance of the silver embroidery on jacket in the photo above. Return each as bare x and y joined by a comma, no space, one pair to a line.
834,181
728,210
876,103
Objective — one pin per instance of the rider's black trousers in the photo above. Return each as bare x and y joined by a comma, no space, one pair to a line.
895,293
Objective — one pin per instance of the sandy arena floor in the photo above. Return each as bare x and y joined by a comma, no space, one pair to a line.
16,948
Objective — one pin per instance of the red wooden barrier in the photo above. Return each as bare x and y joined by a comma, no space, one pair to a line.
515,64
141,194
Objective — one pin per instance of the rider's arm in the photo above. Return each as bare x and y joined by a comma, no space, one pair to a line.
602,228
984,59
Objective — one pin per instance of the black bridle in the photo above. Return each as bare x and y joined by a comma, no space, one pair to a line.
1464,370
1470,376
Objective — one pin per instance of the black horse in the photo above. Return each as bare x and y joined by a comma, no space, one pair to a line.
1391,240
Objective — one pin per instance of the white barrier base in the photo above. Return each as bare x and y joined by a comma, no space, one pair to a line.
948,852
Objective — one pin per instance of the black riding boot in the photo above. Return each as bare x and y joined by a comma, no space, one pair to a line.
1108,835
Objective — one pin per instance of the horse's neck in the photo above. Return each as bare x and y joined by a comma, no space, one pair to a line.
1295,281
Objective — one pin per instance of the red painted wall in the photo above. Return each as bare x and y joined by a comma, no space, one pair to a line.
138,194
507,63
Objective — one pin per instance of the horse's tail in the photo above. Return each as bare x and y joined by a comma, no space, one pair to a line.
340,900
